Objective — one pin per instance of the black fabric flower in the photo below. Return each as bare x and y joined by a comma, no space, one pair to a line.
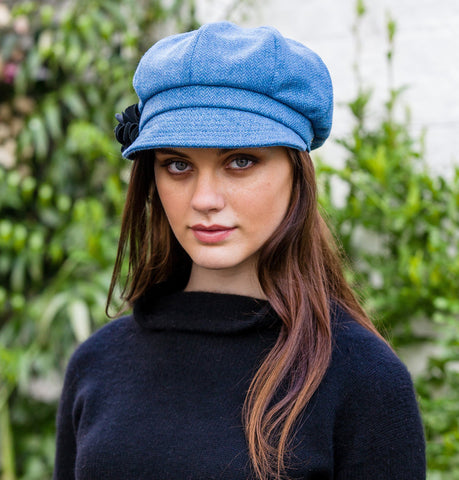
127,129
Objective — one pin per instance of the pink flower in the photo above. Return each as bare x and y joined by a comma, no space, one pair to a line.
9,72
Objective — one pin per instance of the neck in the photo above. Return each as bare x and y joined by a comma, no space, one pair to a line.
236,281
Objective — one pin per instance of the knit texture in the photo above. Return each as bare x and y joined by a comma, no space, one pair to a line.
158,396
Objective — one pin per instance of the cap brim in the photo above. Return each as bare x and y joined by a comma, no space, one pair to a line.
204,127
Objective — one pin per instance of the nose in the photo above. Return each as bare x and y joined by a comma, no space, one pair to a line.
207,195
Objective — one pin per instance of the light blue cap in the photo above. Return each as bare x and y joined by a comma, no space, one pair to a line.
225,86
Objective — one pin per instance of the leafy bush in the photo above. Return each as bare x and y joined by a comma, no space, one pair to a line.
63,75
65,69
399,226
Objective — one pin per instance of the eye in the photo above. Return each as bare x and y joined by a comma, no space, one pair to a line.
178,166
241,163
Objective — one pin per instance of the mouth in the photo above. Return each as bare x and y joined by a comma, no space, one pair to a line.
211,233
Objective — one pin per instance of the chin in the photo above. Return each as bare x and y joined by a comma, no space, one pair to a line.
218,261
216,264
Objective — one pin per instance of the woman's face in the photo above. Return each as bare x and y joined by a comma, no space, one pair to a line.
223,204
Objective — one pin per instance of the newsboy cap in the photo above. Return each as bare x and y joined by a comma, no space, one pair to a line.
228,87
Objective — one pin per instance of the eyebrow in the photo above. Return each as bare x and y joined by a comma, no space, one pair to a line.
172,151
223,151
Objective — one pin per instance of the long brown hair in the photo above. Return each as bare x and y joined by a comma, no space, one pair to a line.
300,272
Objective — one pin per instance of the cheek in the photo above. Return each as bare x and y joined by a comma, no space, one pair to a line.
172,202
264,206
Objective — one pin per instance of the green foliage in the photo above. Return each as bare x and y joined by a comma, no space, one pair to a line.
65,69
399,226
64,72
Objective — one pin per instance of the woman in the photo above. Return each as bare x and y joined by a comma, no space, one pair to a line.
247,355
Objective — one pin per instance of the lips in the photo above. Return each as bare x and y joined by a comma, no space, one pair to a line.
211,233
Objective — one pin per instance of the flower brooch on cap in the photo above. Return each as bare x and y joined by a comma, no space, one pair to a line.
127,129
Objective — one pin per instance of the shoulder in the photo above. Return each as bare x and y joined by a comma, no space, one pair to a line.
363,354
365,371
378,428
373,383
103,343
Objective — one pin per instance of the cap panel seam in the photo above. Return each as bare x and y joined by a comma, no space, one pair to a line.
190,68
276,56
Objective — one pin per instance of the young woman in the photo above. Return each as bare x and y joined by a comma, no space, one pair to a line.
247,355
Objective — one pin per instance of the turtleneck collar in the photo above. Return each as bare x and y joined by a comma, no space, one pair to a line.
208,312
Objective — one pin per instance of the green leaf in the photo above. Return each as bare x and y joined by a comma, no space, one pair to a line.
360,8
73,101
39,136
52,115
54,305
80,320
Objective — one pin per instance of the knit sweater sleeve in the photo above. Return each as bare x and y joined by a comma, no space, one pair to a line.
64,466
378,434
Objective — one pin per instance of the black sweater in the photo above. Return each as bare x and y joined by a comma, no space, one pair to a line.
158,396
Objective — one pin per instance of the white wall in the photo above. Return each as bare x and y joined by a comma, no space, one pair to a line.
426,58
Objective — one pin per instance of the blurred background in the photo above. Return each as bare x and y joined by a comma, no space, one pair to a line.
389,183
